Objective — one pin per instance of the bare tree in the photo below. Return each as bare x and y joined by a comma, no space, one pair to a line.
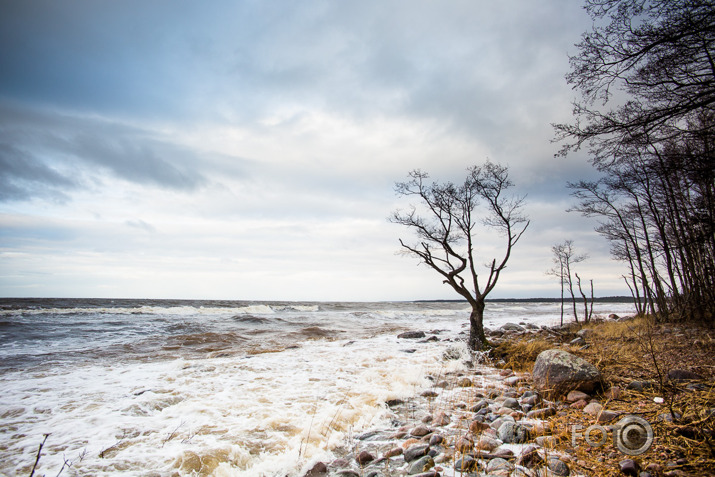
564,257
447,224
660,54
646,76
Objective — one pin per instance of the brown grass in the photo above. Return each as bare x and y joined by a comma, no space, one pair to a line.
640,350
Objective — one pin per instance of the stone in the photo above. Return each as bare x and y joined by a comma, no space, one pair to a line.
409,442
347,473
421,465
559,372
521,471
511,403
476,427
487,443
629,467
499,465
512,433
593,409
579,404
513,380
440,418
511,327
614,392
412,335
683,375
465,464
578,341
541,413
546,441
429,393
394,452
639,386
558,467
531,400
421,431
529,457
415,452
339,462
364,458
607,416
574,396
436,439
464,444
479,406
318,470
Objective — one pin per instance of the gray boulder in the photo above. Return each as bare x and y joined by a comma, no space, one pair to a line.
512,433
558,372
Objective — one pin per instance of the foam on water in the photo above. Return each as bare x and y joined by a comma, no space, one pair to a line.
264,415
245,390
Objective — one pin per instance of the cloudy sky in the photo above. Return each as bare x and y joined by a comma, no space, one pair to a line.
249,149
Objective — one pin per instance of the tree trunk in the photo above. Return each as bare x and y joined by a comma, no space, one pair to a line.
477,339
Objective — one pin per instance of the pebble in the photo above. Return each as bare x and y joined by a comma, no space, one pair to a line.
318,470
499,465
465,464
421,465
394,452
415,452
364,458
440,418
558,467
464,444
593,409
574,396
421,431
629,467
579,404
511,403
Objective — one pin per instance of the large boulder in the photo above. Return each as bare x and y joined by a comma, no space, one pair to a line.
558,372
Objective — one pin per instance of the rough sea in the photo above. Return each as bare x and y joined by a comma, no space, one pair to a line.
224,388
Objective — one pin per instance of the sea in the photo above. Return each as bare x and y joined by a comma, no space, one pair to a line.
159,388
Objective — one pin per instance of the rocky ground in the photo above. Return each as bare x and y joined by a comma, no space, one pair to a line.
582,401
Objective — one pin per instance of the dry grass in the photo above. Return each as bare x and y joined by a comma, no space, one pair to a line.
640,350
520,355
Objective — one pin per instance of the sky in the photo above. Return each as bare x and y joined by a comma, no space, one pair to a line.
249,149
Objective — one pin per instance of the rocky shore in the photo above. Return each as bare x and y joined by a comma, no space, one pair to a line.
564,418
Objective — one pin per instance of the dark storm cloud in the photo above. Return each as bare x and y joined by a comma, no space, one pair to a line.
22,177
45,154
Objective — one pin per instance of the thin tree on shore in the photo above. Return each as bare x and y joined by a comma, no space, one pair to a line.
447,223
564,258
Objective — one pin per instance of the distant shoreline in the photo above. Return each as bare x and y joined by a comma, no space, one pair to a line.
604,299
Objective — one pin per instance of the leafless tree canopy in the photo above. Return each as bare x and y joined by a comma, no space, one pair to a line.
655,148
646,70
448,223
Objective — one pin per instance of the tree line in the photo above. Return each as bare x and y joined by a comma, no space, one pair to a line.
654,143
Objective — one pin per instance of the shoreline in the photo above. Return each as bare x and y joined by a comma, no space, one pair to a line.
492,420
